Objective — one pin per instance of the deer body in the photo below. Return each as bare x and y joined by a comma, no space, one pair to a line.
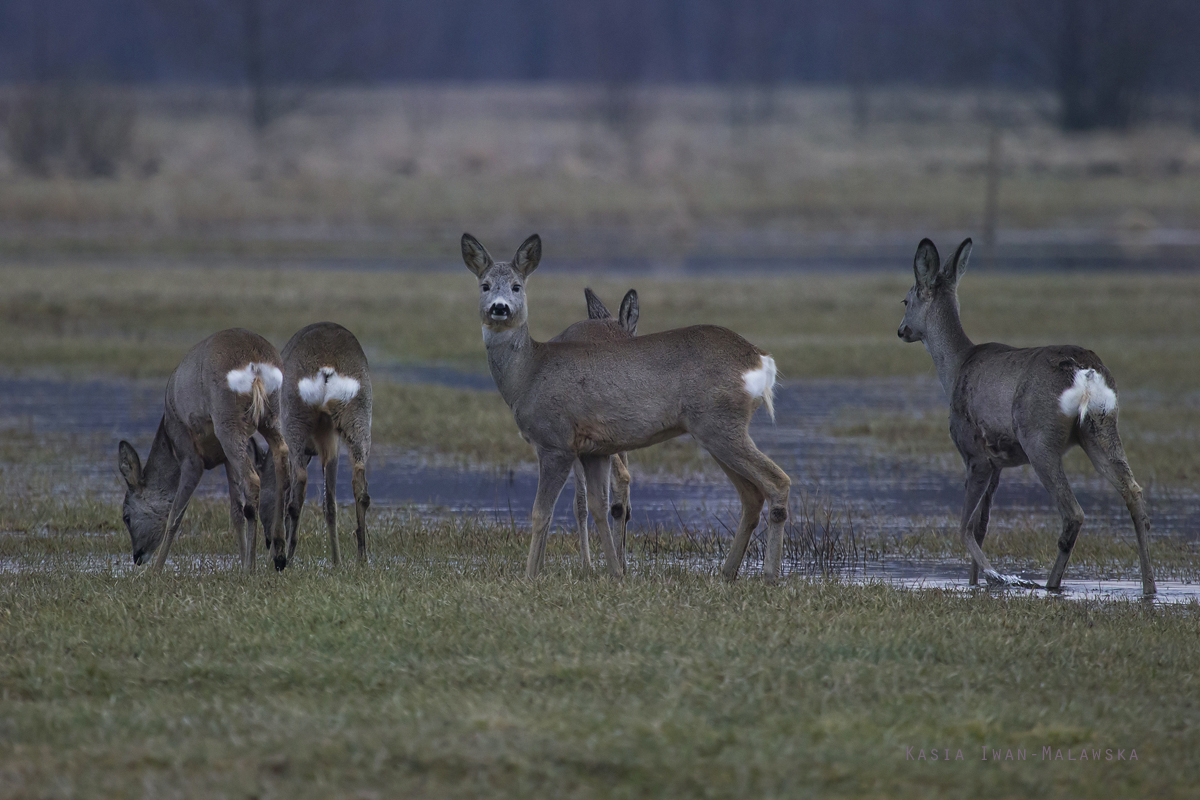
592,400
1013,406
602,327
224,390
326,396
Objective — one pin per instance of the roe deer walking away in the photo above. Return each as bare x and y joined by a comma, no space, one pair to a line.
224,389
326,396
1011,406
601,327
592,400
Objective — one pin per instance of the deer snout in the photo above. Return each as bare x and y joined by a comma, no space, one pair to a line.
906,334
139,557
500,311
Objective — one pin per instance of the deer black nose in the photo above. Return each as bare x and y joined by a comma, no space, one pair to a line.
500,310
139,557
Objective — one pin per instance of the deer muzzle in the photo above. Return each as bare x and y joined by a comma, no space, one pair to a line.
500,311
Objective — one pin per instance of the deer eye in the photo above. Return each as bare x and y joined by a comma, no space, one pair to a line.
904,301
487,287
516,288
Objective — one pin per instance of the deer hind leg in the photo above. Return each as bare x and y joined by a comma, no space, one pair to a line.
237,519
622,512
743,458
1102,443
581,512
978,523
752,503
190,472
362,500
1047,464
554,466
281,550
240,471
597,470
329,466
296,496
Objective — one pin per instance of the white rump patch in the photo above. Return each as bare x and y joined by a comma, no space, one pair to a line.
241,380
761,383
327,386
1089,392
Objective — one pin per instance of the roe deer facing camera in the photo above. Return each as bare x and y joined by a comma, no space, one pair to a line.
1012,406
592,400
224,389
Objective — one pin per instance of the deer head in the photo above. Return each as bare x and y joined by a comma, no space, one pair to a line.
502,283
934,296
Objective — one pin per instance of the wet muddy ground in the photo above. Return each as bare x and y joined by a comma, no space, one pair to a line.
877,494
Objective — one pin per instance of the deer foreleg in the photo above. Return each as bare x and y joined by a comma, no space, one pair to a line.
190,472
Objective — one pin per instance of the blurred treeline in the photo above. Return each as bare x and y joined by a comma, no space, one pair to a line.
1103,59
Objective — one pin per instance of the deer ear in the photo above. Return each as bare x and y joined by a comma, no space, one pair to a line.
926,263
129,464
475,255
596,308
628,314
955,267
529,254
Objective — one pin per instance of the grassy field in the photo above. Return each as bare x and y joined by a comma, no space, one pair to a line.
100,319
436,672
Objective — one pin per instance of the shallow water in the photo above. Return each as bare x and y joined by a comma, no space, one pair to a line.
841,471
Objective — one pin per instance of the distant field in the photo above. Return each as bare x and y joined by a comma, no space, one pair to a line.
402,171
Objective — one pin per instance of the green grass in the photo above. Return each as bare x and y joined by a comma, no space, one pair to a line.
437,671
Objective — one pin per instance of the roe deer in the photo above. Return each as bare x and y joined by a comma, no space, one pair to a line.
1011,406
601,327
591,400
224,389
326,396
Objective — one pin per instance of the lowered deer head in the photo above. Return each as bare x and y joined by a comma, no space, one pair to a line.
224,389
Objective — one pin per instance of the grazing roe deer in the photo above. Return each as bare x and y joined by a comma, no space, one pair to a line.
592,400
326,396
224,389
1012,406
601,327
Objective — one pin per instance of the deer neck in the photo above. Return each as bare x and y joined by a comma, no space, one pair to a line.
947,343
511,360
161,472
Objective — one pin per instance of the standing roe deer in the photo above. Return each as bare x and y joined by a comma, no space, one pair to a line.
591,400
224,389
1011,406
326,395
601,327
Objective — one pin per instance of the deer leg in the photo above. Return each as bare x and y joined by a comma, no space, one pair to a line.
979,477
1102,443
553,468
190,472
1049,469
237,519
597,470
743,458
330,468
581,512
281,550
621,510
295,499
979,523
752,503
362,500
